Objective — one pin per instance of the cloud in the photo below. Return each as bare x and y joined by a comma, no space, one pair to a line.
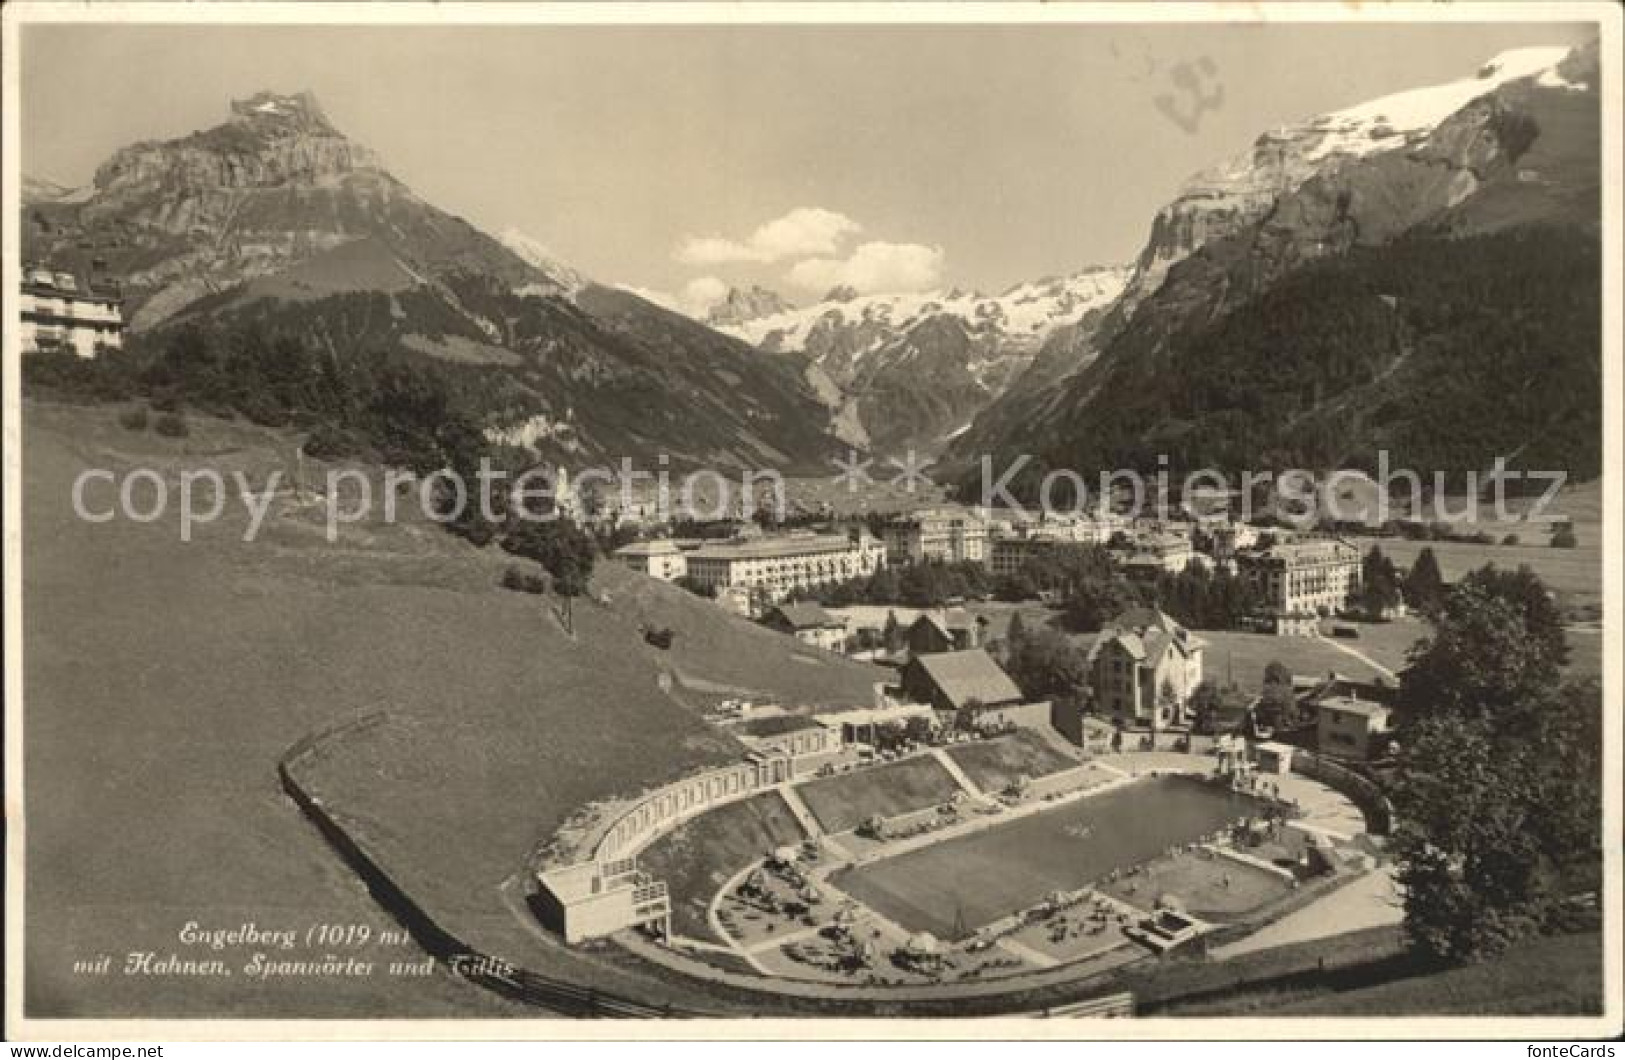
802,232
695,300
873,268
701,294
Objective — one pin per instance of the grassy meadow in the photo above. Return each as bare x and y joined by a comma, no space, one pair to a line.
162,681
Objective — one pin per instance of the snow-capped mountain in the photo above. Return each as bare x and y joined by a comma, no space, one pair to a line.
1022,315
1310,226
911,369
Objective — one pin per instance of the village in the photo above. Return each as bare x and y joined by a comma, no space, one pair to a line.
990,815
1144,670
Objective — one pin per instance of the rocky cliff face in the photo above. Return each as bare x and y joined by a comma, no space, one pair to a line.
1506,147
740,307
274,186
269,142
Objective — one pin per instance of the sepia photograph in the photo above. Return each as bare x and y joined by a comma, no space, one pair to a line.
995,520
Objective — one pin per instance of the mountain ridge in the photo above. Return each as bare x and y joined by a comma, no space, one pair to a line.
1523,151
276,220
908,370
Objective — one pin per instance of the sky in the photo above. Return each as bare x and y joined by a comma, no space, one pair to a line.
682,160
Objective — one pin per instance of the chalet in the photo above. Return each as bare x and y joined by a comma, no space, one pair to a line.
1311,692
808,623
1143,668
956,682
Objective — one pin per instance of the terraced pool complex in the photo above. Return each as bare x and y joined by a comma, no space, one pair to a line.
992,860
953,887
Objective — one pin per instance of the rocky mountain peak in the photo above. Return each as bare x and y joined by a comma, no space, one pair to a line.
842,293
297,113
269,141
273,186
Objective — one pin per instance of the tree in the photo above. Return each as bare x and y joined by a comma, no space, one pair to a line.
1563,536
1095,602
892,635
919,730
1536,607
1379,584
562,548
1424,586
965,718
1014,635
1465,852
1204,706
1014,588
1497,787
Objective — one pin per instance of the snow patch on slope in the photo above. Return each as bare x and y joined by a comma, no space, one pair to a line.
535,254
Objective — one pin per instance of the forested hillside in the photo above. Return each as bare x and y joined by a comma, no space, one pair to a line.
1446,352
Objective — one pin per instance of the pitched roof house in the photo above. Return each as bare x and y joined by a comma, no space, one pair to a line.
1351,727
808,623
1143,668
950,680
1315,691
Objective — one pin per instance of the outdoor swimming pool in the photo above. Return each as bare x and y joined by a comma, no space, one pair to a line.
978,878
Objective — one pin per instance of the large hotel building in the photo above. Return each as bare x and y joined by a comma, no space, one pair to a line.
1314,576
58,312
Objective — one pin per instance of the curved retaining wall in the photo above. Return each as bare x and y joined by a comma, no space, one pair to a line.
1379,812
463,960
680,800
